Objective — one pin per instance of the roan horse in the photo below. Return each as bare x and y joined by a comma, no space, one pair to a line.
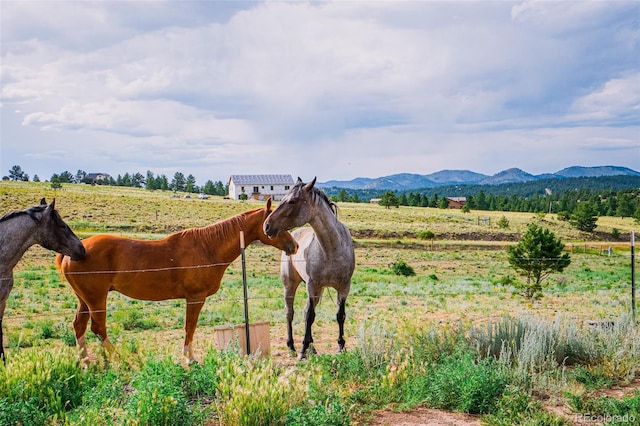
184,265
21,229
325,259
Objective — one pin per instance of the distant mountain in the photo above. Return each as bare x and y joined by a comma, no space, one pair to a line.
455,177
508,176
408,181
577,171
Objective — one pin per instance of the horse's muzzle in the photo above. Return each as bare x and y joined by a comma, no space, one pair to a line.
269,230
79,254
292,250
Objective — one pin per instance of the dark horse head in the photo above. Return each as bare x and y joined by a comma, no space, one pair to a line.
53,233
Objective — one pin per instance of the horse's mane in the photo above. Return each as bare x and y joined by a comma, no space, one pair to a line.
223,229
319,194
31,211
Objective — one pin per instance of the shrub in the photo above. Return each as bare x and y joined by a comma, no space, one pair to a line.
38,386
518,408
426,235
503,223
401,268
331,414
457,382
159,397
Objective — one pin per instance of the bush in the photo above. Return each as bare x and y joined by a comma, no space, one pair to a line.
457,382
401,268
503,223
426,235
332,414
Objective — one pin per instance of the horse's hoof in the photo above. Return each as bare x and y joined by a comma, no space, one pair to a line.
302,356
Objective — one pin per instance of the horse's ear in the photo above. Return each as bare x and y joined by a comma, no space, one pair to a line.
269,204
308,186
299,181
43,202
51,207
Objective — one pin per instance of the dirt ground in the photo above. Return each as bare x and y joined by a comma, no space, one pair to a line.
422,417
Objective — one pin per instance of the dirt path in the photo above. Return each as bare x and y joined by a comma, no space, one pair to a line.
422,417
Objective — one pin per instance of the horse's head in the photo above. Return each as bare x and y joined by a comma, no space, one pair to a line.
282,240
54,234
294,210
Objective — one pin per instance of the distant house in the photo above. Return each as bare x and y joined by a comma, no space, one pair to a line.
456,202
375,200
259,187
95,177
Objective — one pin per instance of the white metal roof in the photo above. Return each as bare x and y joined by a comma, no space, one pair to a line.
262,179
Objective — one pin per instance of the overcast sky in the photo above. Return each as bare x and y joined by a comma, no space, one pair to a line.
336,90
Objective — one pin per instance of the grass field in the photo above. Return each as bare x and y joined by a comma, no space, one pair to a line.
455,290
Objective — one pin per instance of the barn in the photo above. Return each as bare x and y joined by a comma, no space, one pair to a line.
456,202
259,187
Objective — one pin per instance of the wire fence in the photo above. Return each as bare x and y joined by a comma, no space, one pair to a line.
428,291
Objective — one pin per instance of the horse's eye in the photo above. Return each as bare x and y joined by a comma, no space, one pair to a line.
292,202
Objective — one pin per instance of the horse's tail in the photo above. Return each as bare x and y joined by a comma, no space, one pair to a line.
59,258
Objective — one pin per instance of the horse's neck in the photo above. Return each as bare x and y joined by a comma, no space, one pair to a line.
226,238
327,228
16,236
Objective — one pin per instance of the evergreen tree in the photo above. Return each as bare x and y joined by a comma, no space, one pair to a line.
179,182
389,200
16,173
162,182
584,217
190,185
625,205
343,195
209,188
137,180
150,182
80,176
536,256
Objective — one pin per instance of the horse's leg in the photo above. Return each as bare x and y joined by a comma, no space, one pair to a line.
99,323
80,328
6,284
289,298
310,317
3,304
194,306
340,317
291,280
2,357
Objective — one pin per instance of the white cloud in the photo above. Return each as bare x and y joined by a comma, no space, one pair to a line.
616,100
387,85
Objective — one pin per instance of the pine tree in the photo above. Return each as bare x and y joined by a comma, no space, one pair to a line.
536,256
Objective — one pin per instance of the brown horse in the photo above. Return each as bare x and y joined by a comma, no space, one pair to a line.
184,265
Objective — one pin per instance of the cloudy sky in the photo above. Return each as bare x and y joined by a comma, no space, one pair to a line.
333,89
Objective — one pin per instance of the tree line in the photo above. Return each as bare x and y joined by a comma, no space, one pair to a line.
150,181
617,196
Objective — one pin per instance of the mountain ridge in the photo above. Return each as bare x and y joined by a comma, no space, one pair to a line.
409,181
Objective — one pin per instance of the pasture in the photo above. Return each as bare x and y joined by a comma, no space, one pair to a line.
455,295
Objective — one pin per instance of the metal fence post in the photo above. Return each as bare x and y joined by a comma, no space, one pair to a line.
246,297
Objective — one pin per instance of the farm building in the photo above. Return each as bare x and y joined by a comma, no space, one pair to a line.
259,187
97,176
456,202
